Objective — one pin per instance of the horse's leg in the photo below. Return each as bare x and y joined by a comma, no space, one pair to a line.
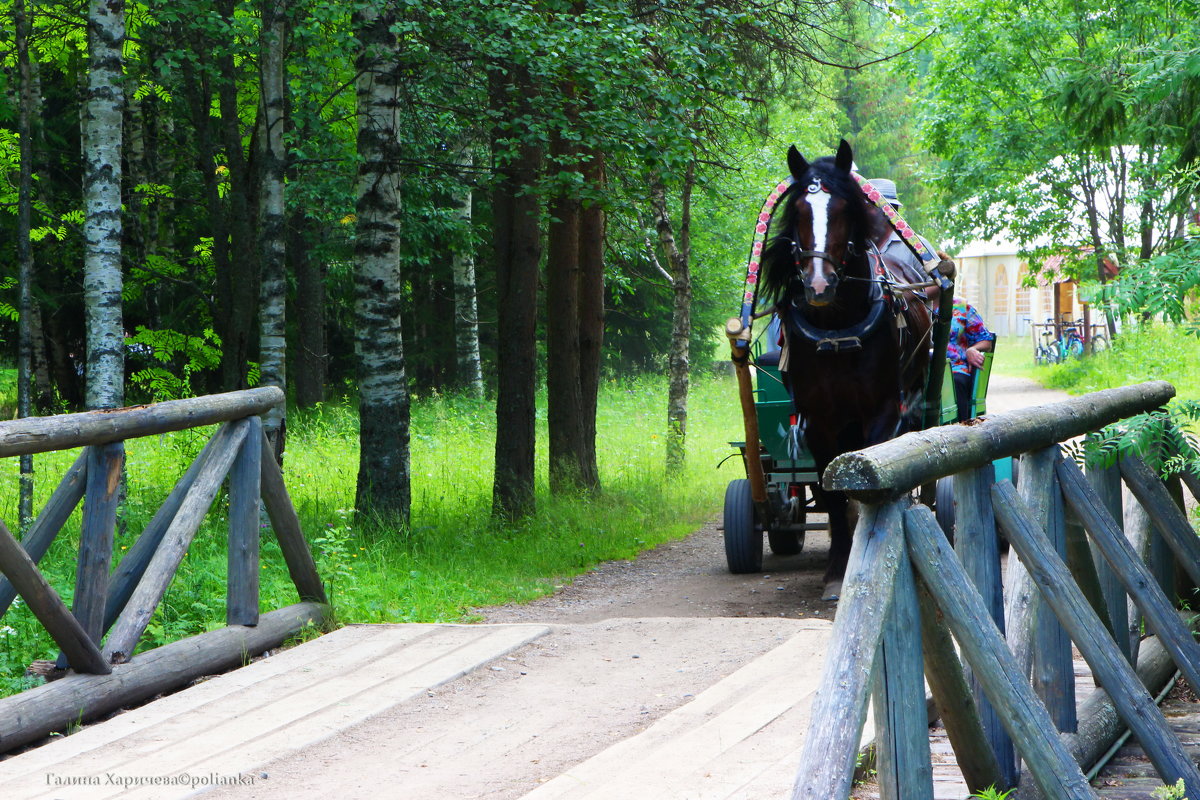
838,507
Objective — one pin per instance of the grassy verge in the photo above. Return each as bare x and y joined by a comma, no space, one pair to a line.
454,557
1144,353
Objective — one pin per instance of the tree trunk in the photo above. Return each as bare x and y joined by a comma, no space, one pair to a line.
273,300
466,311
383,476
591,316
678,254
102,120
564,400
311,358
239,284
23,24
517,245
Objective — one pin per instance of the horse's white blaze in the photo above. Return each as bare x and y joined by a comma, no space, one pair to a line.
819,203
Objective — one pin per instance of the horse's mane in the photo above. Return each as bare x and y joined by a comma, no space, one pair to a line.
778,264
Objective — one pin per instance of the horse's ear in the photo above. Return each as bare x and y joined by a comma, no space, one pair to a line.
845,157
796,163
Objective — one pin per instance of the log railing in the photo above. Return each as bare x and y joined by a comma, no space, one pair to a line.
1072,572
120,602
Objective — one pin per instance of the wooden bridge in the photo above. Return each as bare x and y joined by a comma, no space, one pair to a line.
909,598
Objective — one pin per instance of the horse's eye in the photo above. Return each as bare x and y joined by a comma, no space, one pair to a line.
815,186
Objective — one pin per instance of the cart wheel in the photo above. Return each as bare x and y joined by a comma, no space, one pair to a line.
943,506
789,540
786,543
743,538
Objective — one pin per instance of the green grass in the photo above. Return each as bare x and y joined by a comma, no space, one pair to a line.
1140,353
454,556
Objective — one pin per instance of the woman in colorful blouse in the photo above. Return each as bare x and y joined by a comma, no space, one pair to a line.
969,340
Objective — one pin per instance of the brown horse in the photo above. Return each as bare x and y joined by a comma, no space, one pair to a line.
857,346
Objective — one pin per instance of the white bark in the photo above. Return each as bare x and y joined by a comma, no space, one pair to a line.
102,118
466,313
383,477
273,292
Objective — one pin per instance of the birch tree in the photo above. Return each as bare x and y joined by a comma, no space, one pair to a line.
103,108
273,293
23,25
677,248
383,474
466,308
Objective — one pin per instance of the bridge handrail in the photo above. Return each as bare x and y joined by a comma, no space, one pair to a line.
30,435
898,466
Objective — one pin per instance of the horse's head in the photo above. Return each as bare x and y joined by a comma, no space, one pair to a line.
823,232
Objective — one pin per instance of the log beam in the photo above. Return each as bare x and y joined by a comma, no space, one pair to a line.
904,463
37,712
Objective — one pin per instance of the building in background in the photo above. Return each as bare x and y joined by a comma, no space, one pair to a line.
992,277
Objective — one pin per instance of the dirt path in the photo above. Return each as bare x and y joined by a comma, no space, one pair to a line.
630,641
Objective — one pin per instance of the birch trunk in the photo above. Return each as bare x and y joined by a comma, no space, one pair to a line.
466,310
273,295
383,476
678,253
102,118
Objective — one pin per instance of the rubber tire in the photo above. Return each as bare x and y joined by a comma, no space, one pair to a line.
743,538
786,543
1075,349
789,541
943,506
1099,343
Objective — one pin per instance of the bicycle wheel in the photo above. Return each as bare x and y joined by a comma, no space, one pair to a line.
1099,343
1074,348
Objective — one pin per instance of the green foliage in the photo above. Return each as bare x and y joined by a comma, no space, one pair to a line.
992,793
1161,287
174,359
1176,792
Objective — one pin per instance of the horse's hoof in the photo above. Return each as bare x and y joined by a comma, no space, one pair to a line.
833,591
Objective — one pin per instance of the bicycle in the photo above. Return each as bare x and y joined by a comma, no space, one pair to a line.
1046,350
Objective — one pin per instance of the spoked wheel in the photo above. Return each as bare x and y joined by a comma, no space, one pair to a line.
743,536
1099,343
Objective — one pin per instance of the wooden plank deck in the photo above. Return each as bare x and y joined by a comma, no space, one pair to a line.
234,722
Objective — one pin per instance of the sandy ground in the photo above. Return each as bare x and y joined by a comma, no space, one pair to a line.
631,640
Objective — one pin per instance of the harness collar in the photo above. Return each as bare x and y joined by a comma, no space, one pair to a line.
842,340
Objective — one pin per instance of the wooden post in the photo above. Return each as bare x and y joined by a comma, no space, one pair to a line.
1138,530
1134,704
286,524
840,706
131,568
903,762
978,548
57,511
105,464
1023,715
739,344
1134,576
1038,639
1169,518
952,697
245,479
1106,482
133,620
48,607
